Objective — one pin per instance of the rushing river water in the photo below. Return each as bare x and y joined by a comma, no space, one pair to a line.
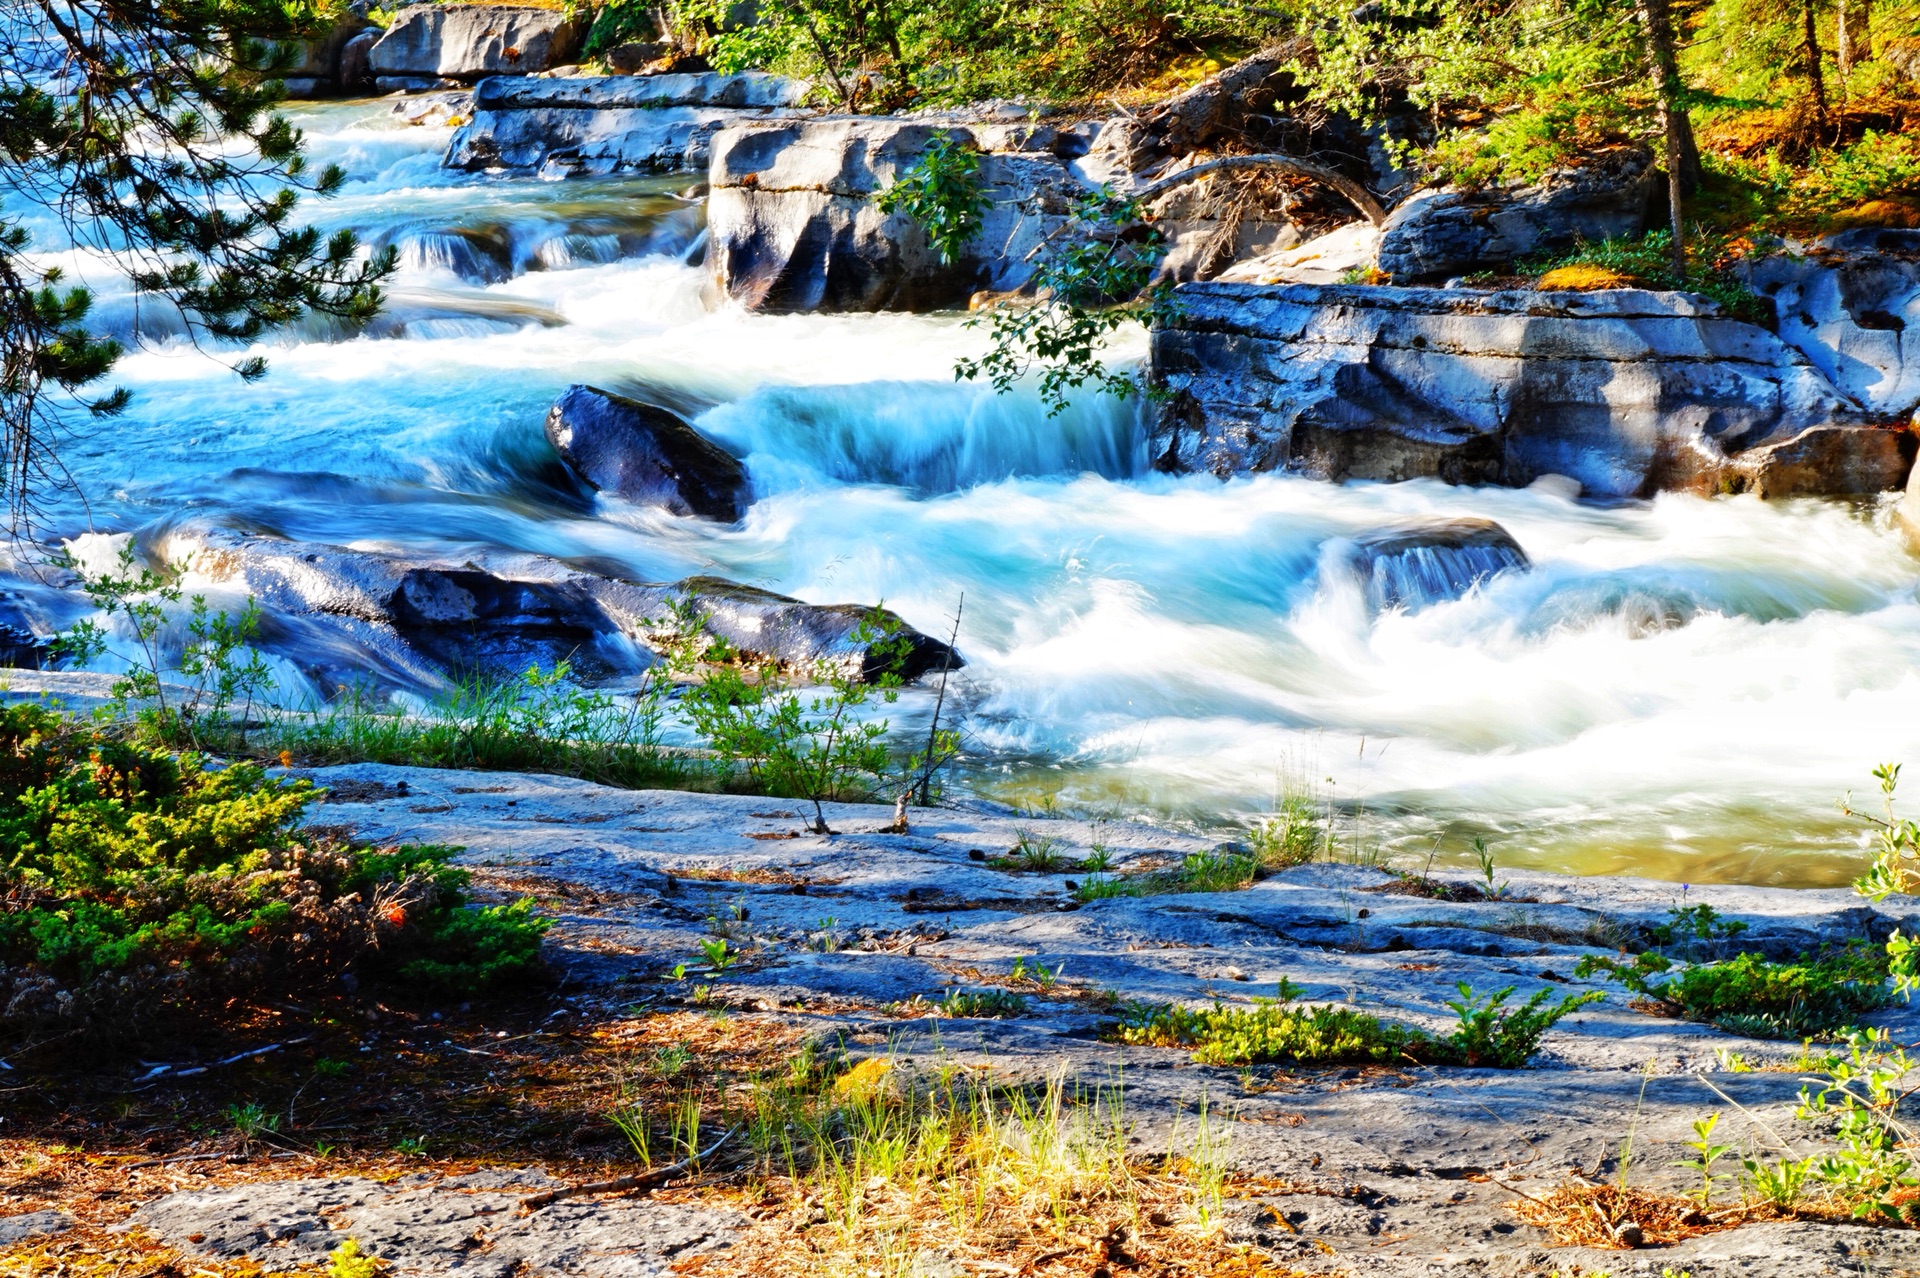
1680,687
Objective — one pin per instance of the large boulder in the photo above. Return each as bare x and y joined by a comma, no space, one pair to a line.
1437,233
602,124
646,455
792,224
1412,564
1847,305
1626,391
344,614
468,41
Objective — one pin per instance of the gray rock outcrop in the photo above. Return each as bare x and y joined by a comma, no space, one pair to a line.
792,224
604,124
344,614
468,41
1437,233
1626,391
1851,305
1426,561
646,455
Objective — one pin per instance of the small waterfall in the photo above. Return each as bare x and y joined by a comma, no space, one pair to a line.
1411,565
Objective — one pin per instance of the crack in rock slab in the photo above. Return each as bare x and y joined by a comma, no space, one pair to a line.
466,1225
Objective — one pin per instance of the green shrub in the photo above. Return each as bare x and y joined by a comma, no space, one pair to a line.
1493,1036
133,878
1271,1030
1489,1036
1815,997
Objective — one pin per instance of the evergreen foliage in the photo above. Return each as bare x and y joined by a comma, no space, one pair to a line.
148,128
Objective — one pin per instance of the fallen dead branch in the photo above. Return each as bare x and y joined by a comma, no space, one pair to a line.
626,1184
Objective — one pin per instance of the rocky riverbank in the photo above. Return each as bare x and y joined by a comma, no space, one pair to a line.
1387,1170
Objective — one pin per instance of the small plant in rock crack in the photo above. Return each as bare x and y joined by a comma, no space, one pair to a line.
1691,929
1860,1096
1493,1036
983,1004
1484,855
1025,969
630,1120
1706,1154
1036,854
718,954
348,1261
411,1146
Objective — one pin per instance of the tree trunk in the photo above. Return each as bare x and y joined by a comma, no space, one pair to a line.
1682,159
1814,74
1842,49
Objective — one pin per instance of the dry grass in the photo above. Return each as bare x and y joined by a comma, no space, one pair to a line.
1580,1214
1585,279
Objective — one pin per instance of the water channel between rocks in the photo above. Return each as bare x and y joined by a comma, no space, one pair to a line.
1680,688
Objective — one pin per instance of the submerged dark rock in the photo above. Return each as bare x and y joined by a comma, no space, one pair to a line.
646,455
345,615
1426,561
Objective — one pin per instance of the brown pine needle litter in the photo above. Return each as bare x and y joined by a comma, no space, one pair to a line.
1580,1214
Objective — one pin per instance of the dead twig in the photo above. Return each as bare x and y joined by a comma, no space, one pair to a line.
166,1073
625,1184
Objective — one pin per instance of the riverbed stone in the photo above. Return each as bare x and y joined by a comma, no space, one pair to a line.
604,124
1426,561
792,223
469,41
345,614
646,455
1625,391
1438,233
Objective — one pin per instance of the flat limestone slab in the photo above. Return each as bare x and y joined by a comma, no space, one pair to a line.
1395,1171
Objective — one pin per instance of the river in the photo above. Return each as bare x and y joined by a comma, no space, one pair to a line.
1681,687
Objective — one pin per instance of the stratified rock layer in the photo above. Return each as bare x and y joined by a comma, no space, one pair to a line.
594,125
1626,391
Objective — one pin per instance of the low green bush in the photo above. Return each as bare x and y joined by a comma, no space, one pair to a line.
135,880
1490,1035
1815,997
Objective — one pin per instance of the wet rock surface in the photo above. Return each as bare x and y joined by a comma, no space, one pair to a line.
1410,565
1396,1171
344,614
1627,392
587,125
646,455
